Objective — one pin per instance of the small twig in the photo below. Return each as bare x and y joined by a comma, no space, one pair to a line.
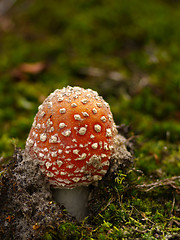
110,201
120,197
173,203
136,171
165,182
131,138
143,215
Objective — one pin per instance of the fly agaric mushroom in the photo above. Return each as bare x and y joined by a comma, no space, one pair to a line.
72,137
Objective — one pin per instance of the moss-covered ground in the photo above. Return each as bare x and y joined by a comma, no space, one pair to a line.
129,51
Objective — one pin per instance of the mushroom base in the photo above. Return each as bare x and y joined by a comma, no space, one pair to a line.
74,200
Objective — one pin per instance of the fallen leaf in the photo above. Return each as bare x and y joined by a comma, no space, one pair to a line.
20,72
32,68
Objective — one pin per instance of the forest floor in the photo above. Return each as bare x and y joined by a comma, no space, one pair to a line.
129,52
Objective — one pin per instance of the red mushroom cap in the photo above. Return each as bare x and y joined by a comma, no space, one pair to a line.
72,137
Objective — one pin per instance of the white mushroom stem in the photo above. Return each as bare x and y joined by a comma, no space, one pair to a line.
74,200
